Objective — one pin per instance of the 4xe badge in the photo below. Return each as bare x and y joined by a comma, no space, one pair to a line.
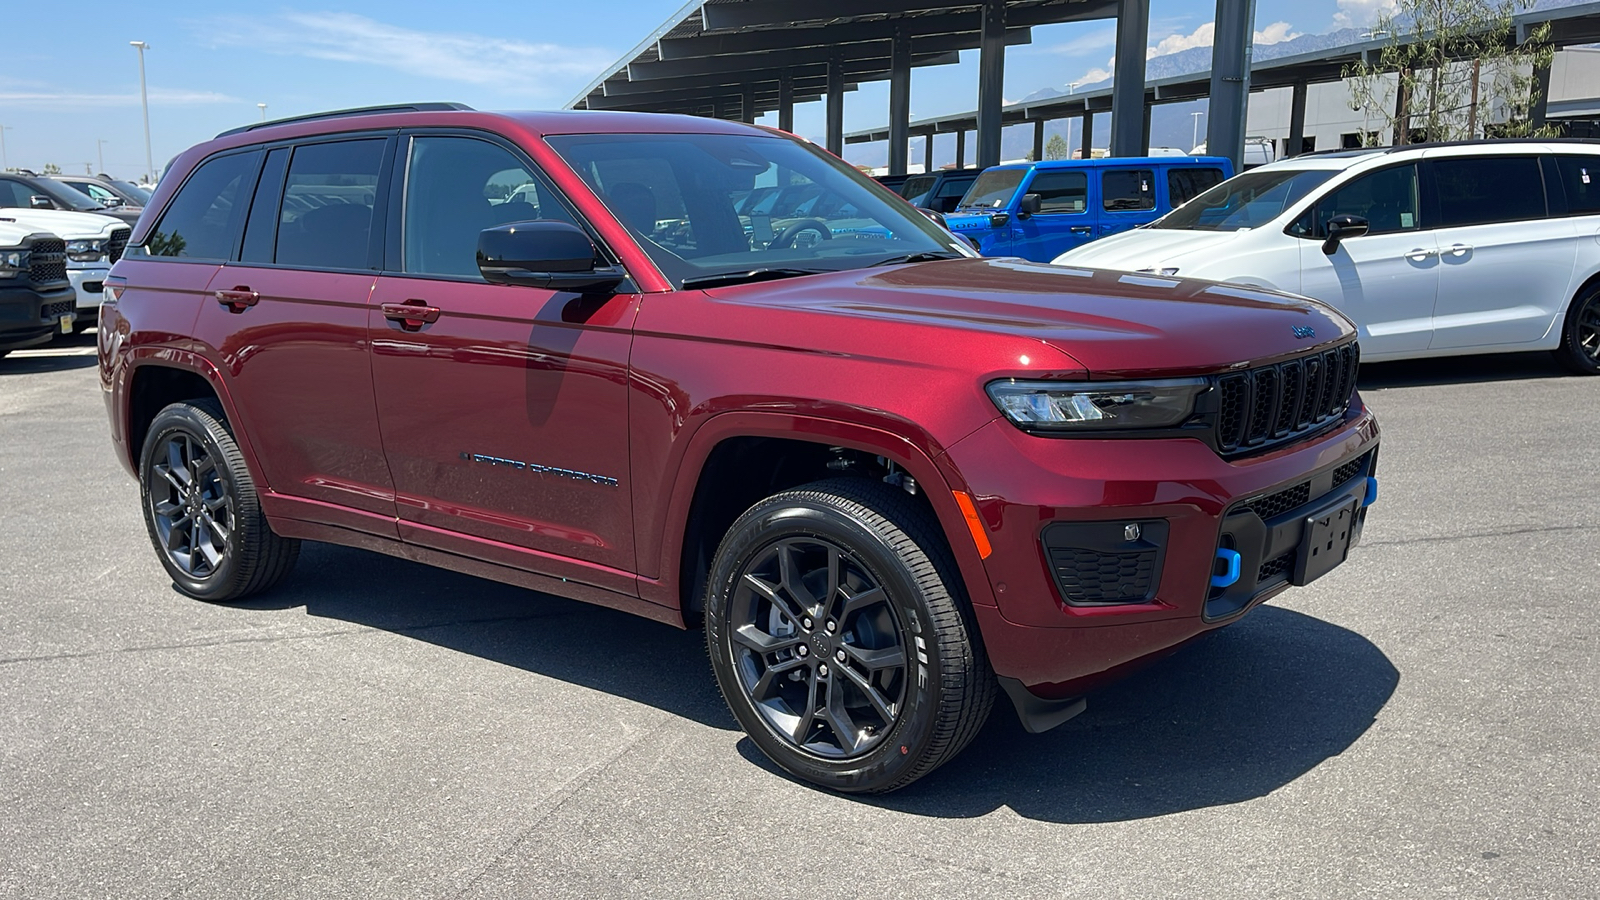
1304,331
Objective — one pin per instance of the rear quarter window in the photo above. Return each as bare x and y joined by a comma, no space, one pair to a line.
1580,177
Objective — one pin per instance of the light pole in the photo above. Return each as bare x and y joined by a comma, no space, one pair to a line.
263,107
1194,139
144,99
5,164
100,151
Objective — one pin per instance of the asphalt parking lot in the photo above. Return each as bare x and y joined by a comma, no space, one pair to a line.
1423,722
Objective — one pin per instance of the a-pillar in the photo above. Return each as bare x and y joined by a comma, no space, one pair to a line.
835,136
1297,120
1127,86
899,103
991,80
1230,79
1038,140
786,102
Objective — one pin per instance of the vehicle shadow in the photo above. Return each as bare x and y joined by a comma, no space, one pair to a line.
1232,717
1459,370
13,364
582,644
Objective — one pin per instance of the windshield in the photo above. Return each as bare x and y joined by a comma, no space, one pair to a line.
1245,201
993,189
704,205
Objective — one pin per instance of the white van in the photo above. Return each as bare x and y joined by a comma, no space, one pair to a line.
1442,250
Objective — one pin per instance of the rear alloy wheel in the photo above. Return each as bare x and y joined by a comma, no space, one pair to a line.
201,508
1580,335
838,639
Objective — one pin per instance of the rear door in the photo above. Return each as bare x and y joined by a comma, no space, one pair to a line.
1064,220
1386,280
505,418
1507,264
288,321
1127,199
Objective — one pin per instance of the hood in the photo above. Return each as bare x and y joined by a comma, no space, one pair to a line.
63,224
1146,248
13,234
1115,324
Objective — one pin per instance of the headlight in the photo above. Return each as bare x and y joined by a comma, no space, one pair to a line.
1104,406
12,262
86,251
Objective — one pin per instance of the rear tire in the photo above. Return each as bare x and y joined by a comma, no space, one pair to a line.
839,633
201,509
1580,335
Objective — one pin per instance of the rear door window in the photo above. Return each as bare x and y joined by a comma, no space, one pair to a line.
204,217
1061,192
1127,190
329,200
1477,190
1184,185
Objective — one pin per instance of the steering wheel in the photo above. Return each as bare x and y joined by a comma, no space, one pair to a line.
785,238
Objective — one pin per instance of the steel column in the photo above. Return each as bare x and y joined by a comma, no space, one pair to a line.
1038,140
927,153
961,149
835,136
991,80
1127,86
1539,106
1088,135
747,104
899,103
1230,79
786,103
1297,119
1402,109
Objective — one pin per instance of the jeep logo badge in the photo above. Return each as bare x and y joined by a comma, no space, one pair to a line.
1304,331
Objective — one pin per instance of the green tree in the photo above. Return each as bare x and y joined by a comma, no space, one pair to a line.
52,169
1056,148
1448,65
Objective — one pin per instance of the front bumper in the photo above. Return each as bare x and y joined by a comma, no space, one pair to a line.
1190,503
29,317
88,282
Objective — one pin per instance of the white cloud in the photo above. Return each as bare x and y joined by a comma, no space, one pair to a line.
471,58
1094,40
1361,13
158,97
1205,36
1276,33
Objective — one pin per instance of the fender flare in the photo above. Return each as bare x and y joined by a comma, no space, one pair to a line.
194,363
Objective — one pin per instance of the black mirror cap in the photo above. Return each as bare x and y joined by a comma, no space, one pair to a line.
1030,204
934,215
543,253
1341,228
40,201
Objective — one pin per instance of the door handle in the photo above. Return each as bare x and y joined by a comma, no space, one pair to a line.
1460,249
412,314
238,299
1080,229
1421,254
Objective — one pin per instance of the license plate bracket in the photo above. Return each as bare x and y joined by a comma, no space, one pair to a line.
1326,541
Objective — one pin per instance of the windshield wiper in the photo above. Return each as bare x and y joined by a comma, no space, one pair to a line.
925,256
746,277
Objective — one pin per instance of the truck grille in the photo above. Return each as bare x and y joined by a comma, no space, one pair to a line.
48,261
118,243
52,311
1272,405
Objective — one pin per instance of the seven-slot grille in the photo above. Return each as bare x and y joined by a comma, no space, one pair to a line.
117,243
1270,405
48,261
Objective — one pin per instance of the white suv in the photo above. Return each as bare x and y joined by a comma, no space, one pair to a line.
1441,250
94,243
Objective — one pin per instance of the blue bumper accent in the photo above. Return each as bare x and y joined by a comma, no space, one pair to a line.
1372,492
1231,557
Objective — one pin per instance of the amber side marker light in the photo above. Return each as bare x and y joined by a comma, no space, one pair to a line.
974,524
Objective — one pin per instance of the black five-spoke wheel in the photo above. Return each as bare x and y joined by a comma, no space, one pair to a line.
839,634
201,507
818,647
1580,338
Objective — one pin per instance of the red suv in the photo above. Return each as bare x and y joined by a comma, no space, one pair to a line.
888,476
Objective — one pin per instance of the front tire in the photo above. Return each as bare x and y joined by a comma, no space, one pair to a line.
201,509
1580,335
838,632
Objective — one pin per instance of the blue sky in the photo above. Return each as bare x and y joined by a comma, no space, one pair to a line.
62,91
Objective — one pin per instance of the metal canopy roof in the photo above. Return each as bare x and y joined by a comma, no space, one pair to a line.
1577,24
711,55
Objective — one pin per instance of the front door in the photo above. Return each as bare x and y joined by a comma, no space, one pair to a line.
1386,280
504,418
289,321
1063,221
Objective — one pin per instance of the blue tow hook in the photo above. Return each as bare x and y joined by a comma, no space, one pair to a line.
1372,492
1231,557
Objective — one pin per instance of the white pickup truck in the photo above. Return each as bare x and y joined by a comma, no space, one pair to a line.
94,242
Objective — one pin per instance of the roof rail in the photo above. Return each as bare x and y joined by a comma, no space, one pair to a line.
356,111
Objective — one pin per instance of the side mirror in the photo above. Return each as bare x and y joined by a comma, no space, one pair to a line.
934,215
548,254
1342,228
1029,205
39,201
